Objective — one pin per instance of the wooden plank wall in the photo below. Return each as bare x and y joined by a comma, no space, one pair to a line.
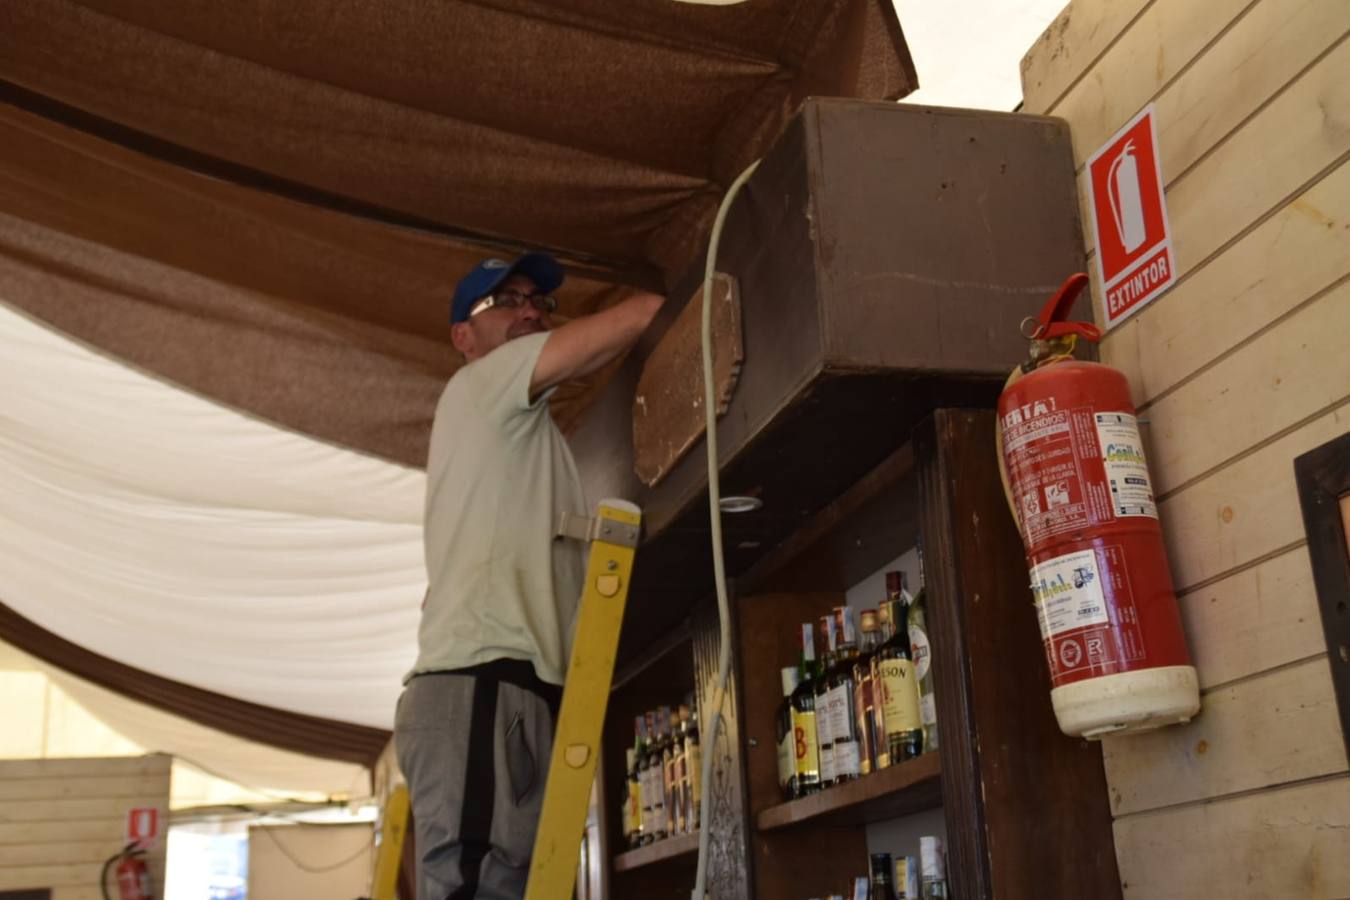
60,819
1242,366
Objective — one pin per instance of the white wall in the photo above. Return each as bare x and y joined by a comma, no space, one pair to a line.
310,862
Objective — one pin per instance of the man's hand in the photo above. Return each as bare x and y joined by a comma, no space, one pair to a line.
589,343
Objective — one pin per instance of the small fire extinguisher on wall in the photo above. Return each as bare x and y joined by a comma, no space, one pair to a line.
131,872
1078,485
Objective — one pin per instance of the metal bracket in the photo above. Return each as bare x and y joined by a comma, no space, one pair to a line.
598,528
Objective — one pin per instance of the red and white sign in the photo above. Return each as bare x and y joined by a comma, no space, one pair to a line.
143,825
1134,241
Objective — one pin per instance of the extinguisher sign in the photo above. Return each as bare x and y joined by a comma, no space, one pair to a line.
1134,241
143,825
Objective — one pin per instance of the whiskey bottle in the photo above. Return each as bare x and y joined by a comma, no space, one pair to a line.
644,738
932,869
784,735
659,755
625,809
881,753
675,774
807,748
921,651
863,709
693,762
900,697
843,723
824,724
881,887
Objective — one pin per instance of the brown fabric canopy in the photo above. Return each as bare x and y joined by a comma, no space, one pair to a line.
268,203
331,168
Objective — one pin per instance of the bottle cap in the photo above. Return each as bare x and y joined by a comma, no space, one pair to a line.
789,676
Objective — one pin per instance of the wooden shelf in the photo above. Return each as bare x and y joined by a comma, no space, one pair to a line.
910,787
661,851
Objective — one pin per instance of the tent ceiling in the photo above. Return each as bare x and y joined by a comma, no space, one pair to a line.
343,163
267,204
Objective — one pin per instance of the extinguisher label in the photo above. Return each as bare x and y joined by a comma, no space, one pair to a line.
1126,469
1068,592
1088,617
1076,468
1045,454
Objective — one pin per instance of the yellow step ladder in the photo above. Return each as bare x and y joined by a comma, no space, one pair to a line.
613,536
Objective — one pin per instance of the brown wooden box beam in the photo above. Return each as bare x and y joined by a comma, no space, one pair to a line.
885,255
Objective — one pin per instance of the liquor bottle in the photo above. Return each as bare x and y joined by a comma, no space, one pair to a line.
900,697
921,651
803,700
907,883
824,724
629,795
693,761
843,723
932,868
659,753
644,738
881,754
882,888
785,738
675,774
863,710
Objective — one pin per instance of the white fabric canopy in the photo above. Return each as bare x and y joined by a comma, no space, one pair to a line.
55,715
168,533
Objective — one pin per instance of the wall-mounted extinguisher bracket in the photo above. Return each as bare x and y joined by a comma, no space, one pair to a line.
1079,488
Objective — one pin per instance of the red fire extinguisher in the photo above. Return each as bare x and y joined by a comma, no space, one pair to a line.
1079,487
133,876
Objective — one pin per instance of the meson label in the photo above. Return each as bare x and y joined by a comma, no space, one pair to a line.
900,696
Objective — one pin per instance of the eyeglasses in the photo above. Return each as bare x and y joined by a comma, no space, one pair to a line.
511,299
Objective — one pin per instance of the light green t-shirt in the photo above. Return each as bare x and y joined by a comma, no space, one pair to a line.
498,473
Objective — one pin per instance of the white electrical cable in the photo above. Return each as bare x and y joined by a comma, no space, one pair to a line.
713,716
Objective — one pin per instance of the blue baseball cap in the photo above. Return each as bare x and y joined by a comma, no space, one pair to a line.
541,268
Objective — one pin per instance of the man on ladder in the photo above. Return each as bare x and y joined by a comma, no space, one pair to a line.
474,726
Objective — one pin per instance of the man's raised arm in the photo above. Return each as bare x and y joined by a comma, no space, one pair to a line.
584,345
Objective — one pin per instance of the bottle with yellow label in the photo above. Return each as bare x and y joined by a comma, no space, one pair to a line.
806,753
784,738
900,697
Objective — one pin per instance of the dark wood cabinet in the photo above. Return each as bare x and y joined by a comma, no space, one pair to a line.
1025,807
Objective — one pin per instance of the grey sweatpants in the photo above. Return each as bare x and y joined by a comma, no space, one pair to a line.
475,751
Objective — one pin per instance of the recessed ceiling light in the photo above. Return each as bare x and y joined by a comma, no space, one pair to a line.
740,504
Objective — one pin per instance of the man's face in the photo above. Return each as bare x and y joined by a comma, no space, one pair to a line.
490,328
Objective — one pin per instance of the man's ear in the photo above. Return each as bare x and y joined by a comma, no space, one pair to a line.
461,335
